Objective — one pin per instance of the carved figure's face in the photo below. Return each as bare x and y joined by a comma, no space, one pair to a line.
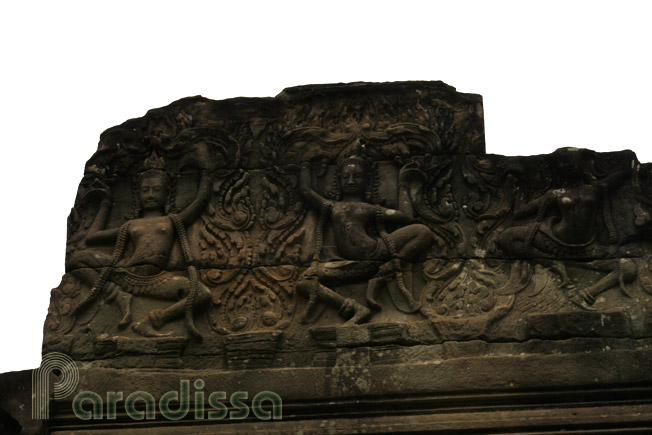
569,164
152,193
353,179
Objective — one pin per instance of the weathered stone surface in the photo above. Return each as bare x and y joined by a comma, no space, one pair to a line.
355,250
529,392
579,324
15,404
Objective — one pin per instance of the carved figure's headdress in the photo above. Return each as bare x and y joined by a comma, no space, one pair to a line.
572,160
154,162
153,166
357,155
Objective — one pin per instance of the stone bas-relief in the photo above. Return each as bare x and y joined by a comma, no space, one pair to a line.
353,249
253,233
141,270
359,246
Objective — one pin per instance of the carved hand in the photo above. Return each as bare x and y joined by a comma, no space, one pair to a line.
98,188
409,172
202,157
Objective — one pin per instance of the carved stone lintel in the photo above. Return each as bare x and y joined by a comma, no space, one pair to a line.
343,215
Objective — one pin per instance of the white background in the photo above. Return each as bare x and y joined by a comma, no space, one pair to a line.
552,74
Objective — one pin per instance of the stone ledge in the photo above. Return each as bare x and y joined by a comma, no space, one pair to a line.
354,373
565,411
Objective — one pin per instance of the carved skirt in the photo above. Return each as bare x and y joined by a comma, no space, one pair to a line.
138,284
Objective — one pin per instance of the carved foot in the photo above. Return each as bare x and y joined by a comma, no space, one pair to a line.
156,318
360,313
373,304
309,286
566,284
583,300
564,280
124,303
146,330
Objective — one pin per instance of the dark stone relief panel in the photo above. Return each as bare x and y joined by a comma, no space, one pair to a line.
344,216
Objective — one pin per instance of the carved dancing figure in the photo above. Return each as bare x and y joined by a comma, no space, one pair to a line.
567,222
141,253
362,239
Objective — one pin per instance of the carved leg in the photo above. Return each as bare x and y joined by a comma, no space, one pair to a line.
560,269
87,266
88,277
384,276
622,272
373,288
520,275
123,300
513,241
412,242
304,288
156,319
403,287
315,291
524,272
177,310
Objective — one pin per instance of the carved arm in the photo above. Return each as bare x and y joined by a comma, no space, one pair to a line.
396,217
522,210
410,184
614,180
195,208
314,199
96,234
